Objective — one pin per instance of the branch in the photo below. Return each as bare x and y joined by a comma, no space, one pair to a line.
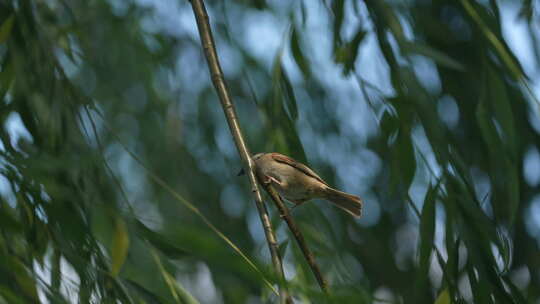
216,73
284,213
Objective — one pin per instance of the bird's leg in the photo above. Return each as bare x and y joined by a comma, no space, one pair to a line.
269,179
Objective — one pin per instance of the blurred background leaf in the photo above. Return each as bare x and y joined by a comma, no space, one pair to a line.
412,105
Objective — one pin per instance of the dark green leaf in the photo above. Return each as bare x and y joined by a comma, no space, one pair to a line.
389,124
347,53
298,54
5,28
289,95
338,9
437,56
427,237
404,161
162,243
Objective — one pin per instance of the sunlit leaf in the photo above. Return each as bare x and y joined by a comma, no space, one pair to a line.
120,247
443,298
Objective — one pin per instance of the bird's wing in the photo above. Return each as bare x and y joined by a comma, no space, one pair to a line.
291,162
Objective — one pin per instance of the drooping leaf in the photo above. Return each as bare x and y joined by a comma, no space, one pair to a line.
166,246
443,298
338,9
282,248
11,297
120,246
289,95
437,56
389,124
347,53
178,292
298,54
143,292
500,146
427,237
5,28
404,161
282,111
506,154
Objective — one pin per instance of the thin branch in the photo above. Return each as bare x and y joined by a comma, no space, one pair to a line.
284,213
216,73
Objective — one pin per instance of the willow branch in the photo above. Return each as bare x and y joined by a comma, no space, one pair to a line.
216,73
285,214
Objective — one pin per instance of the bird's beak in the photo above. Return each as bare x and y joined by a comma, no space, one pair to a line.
241,172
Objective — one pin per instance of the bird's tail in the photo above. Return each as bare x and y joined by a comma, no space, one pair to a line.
348,202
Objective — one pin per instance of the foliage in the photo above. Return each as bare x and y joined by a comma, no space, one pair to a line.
117,174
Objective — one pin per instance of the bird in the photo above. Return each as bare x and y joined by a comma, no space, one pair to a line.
298,184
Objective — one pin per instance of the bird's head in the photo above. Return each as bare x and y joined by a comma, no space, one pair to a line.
255,157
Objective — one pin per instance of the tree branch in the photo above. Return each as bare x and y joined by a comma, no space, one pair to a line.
216,73
284,213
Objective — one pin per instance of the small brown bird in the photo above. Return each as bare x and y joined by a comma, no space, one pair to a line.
298,183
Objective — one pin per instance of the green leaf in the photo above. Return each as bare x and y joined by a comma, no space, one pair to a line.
5,28
11,297
437,56
427,236
389,124
143,292
282,248
8,218
501,145
162,243
282,93
177,291
6,78
120,247
282,113
403,158
347,53
392,21
338,8
443,298
502,109
507,150
290,99
481,289
24,279
298,54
